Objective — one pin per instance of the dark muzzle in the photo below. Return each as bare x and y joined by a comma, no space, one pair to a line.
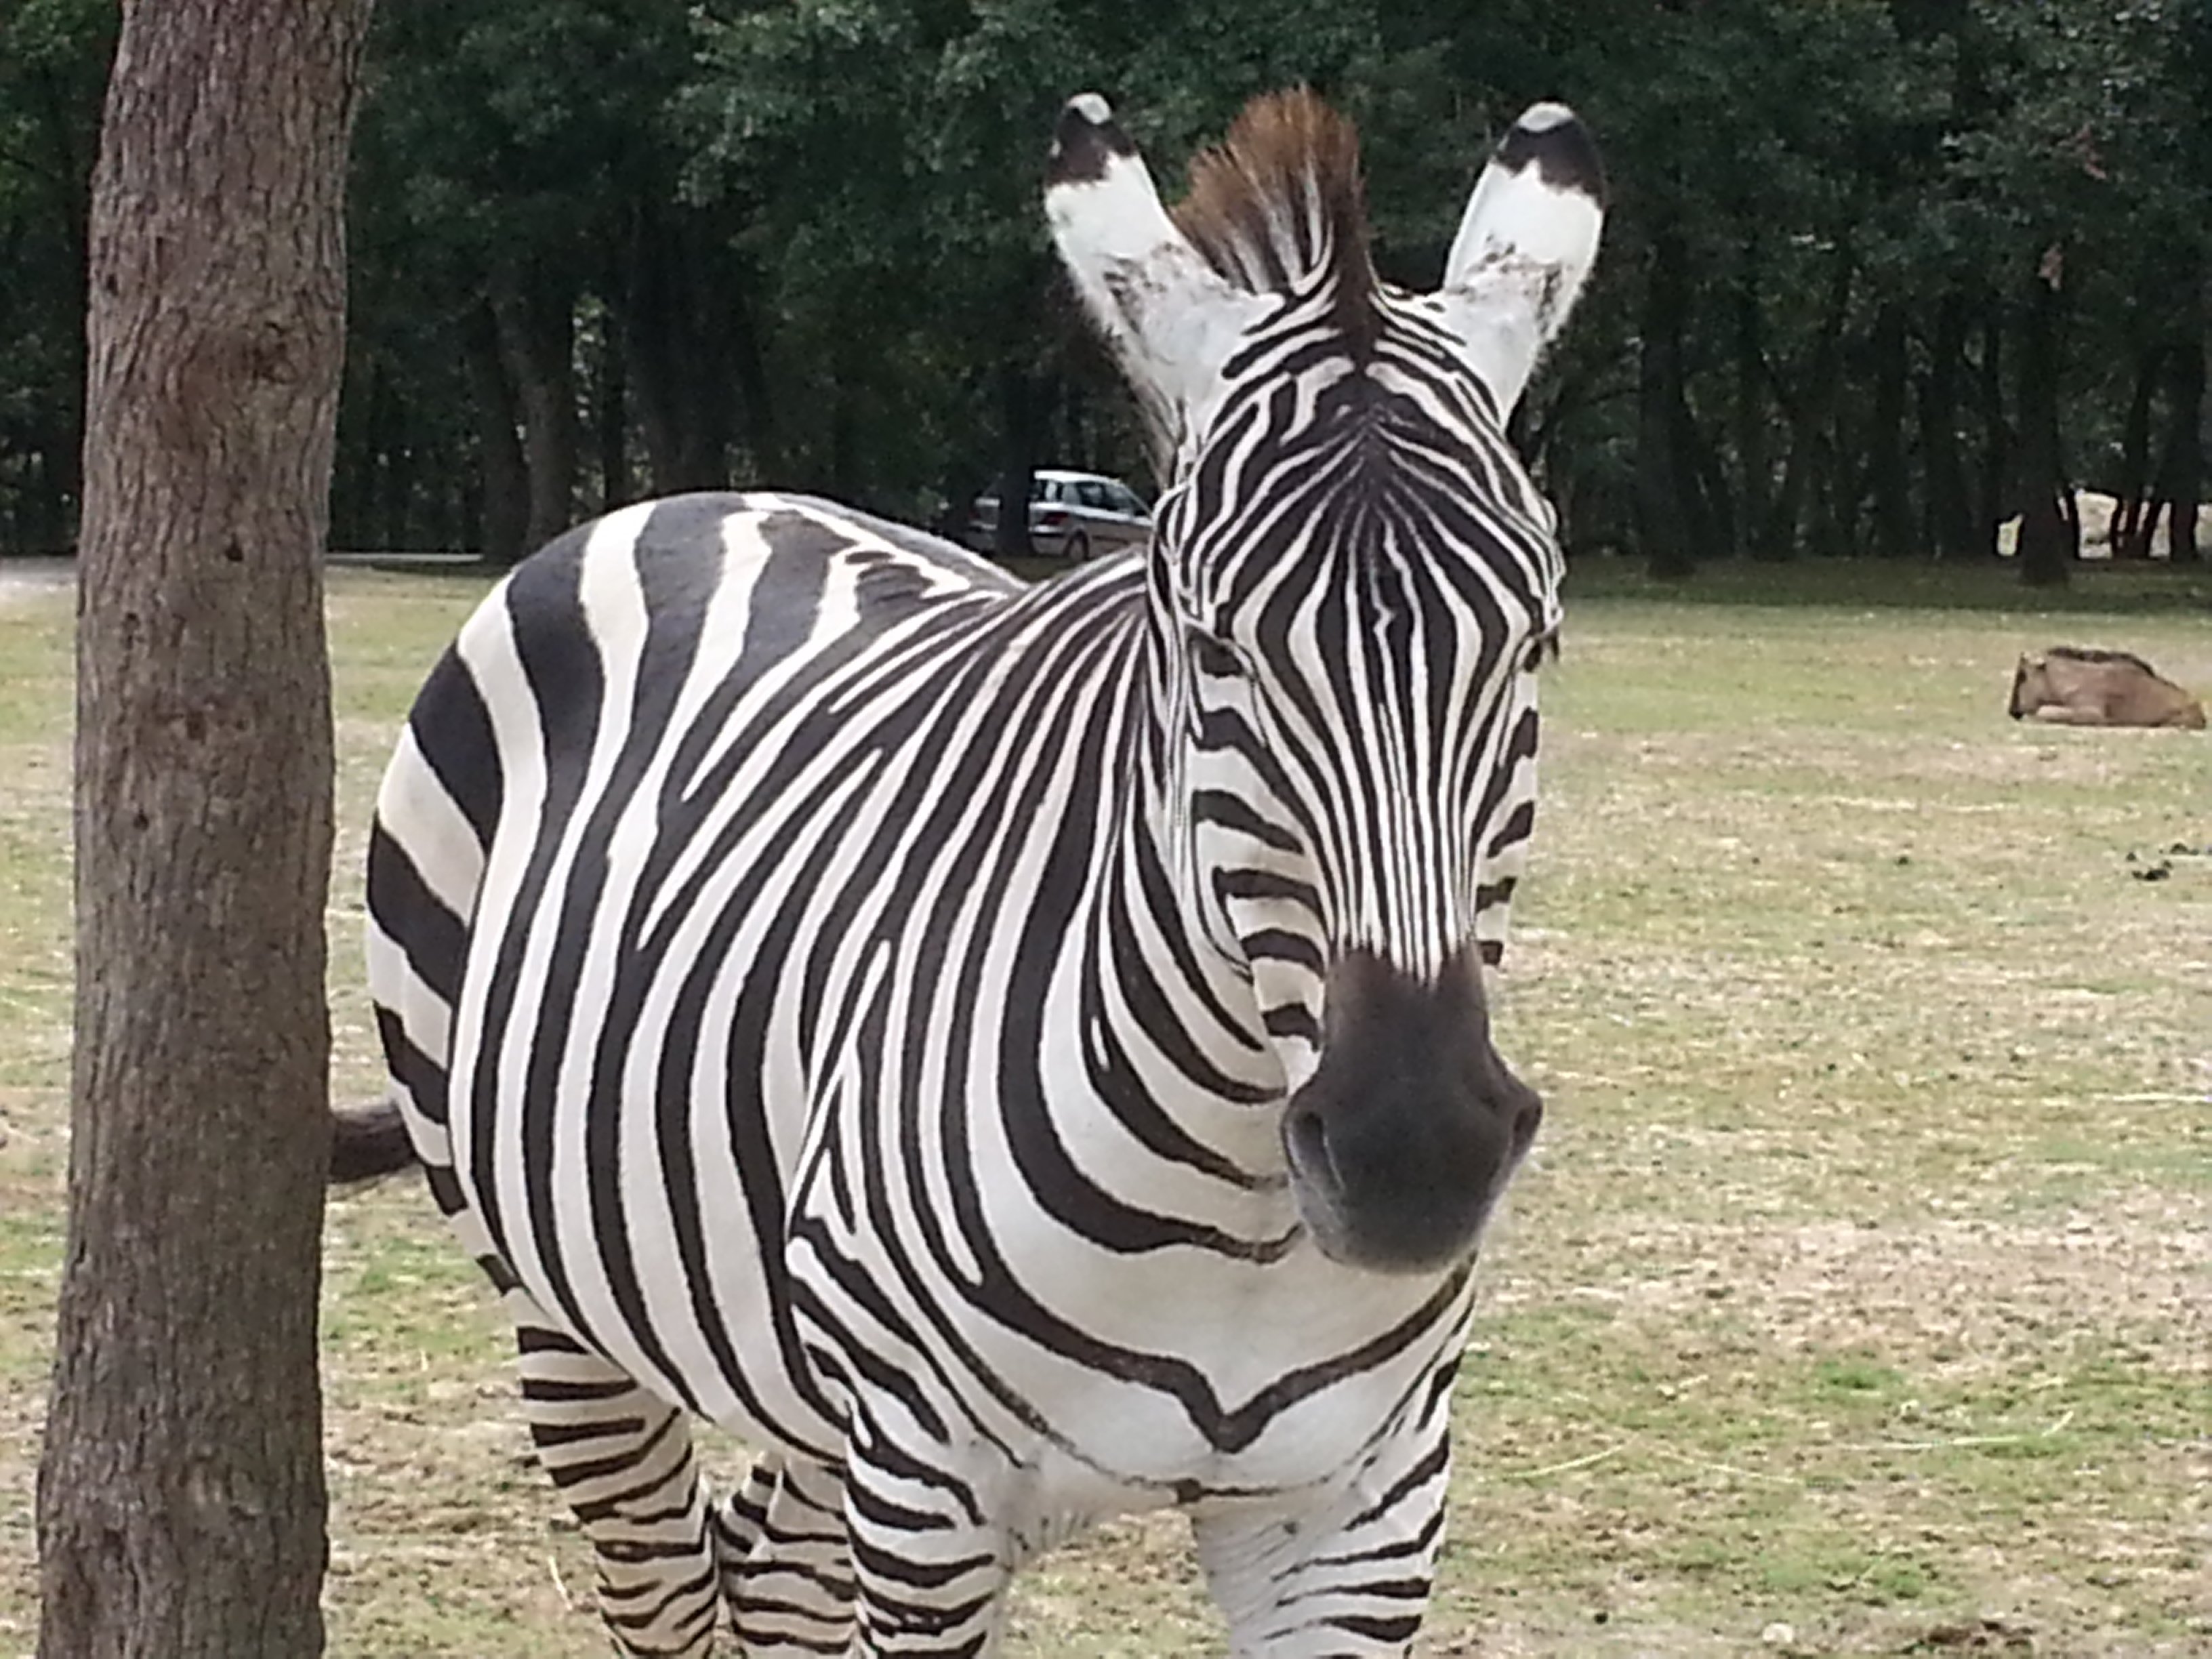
1404,1138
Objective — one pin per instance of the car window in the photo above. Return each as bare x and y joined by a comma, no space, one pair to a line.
1091,493
1123,499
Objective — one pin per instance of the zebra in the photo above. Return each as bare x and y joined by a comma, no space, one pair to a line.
1015,1055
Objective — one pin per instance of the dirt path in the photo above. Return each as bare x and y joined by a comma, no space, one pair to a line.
19,579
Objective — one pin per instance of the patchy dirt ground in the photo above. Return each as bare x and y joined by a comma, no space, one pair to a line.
1857,1301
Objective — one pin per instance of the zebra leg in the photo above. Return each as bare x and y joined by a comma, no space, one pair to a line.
622,1459
932,1575
1352,1579
786,1562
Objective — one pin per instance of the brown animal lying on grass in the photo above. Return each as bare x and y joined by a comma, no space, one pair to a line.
2075,687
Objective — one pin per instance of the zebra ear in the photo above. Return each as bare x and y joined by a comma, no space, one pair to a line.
1525,247
1173,320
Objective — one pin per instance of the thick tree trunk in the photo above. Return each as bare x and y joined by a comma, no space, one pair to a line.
2050,525
503,509
181,1494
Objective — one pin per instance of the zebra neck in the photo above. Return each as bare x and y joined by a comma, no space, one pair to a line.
1188,989
1171,1039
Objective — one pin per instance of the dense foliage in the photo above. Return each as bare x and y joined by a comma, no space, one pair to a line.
1882,272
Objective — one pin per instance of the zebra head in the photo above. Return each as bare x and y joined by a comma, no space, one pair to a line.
1352,579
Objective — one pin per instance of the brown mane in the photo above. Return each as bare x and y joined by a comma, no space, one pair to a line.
1280,201
2089,654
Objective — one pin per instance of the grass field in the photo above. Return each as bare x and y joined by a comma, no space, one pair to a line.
1857,1300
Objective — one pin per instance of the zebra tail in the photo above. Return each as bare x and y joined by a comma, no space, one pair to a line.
367,1142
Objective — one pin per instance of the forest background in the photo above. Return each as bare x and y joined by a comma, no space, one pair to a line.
1881,273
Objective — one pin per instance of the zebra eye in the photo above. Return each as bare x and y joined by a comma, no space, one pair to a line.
1213,658
1544,648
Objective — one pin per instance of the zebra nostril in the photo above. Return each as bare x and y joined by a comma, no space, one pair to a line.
1305,1138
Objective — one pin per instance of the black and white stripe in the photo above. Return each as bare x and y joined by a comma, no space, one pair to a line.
1013,1054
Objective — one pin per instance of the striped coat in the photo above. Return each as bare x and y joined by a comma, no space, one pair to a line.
1014,1055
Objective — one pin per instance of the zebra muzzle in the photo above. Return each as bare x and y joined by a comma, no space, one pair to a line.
1407,1134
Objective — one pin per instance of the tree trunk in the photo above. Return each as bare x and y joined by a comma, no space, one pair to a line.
1808,418
1705,488
396,471
2049,524
677,338
610,420
2181,467
645,319
181,1502
353,474
1021,414
1889,478
1949,525
748,354
503,515
1754,454
1998,496
537,343
2131,516
1666,515
844,475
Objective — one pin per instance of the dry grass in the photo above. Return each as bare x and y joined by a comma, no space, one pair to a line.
1858,1302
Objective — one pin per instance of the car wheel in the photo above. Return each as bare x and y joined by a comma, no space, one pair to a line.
1077,547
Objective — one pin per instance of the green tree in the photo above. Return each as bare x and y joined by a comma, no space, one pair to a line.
54,60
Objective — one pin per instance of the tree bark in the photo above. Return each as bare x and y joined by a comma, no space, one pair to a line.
2132,517
1753,424
689,341
396,469
1809,415
1665,514
749,375
1949,525
1021,409
611,417
2181,467
536,323
181,1501
2050,525
1889,479
503,513
1998,495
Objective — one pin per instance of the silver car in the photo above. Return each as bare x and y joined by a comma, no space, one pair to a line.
1073,516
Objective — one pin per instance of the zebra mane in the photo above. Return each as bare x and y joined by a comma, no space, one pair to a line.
1280,203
